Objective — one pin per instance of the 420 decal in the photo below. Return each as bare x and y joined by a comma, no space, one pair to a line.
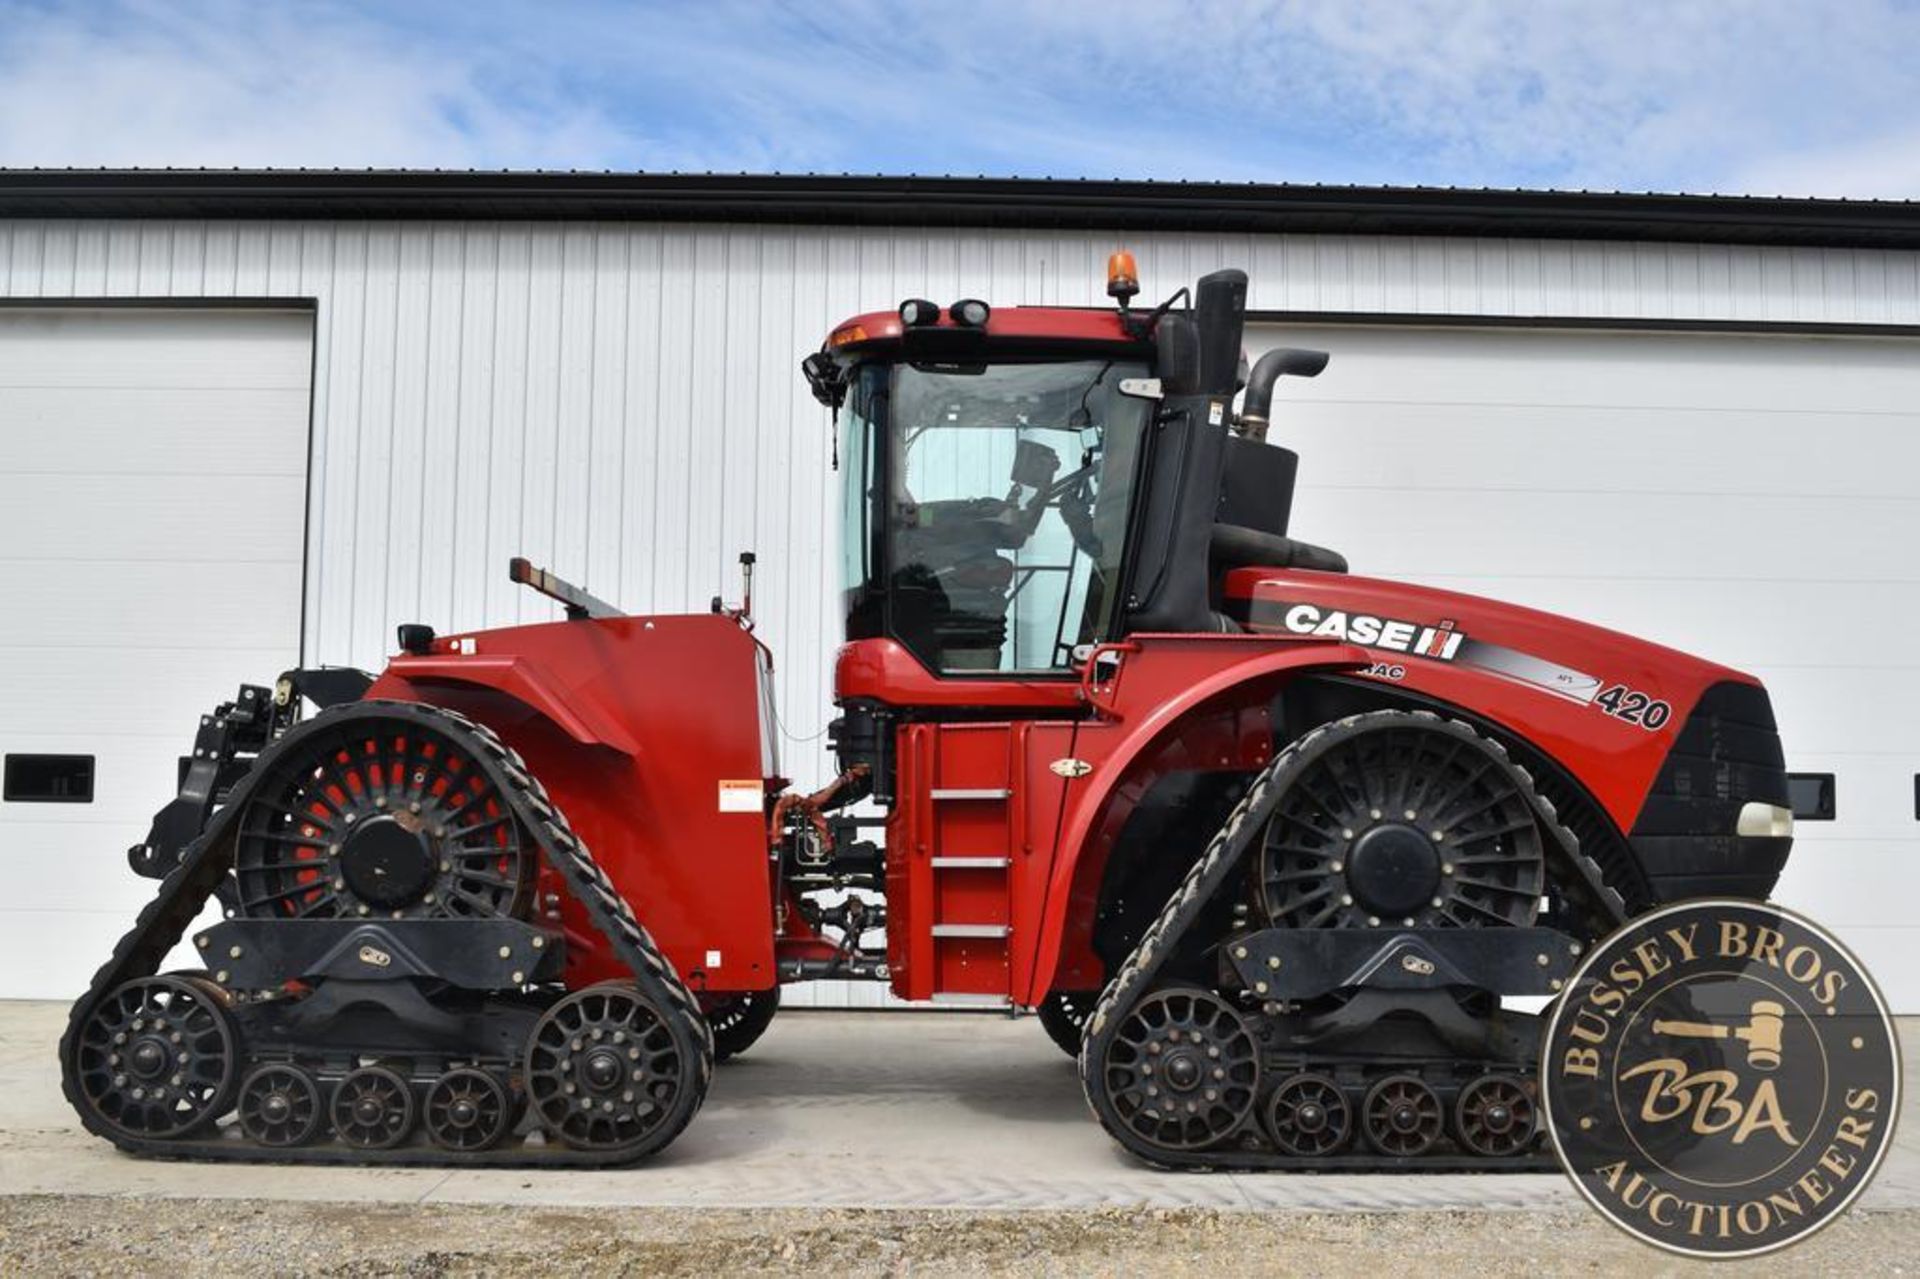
1633,706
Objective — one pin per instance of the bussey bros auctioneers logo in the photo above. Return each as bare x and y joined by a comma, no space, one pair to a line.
1721,1078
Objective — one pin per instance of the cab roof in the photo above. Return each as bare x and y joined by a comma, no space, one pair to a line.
1040,326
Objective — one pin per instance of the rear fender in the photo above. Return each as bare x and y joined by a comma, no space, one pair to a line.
1170,687
516,676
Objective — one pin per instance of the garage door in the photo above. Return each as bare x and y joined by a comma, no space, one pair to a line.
1752,499
152,502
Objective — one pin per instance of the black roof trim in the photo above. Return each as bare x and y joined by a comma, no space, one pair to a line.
1042,203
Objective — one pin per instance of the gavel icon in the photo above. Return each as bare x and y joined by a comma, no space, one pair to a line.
1762,1032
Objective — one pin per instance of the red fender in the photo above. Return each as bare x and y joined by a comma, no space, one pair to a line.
1145,707
520,678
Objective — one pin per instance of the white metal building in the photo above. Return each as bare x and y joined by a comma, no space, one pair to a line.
251,420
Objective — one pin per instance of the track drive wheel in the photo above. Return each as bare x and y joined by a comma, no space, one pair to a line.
1063,1015
386,816
1183,1069
1495,1115
738,1021
156,1058
373,1108
280,1105
468,1109
1401,1116
1308,1115
607,1071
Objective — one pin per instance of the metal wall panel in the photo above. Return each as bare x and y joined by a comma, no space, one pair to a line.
620,401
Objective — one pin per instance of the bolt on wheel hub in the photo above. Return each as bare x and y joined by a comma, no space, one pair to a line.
387,864
148,1058
1393,869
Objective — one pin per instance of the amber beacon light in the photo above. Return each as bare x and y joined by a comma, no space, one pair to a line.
1123,277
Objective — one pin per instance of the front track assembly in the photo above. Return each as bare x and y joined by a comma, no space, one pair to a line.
472,1053
1358,1030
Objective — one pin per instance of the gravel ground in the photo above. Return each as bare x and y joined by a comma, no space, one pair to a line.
81,1235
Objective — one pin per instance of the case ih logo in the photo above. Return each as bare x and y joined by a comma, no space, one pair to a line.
1416,639
1720,1078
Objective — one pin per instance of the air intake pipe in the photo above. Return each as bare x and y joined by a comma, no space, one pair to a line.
1288,361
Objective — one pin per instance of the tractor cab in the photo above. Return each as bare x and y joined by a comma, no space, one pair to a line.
1018,485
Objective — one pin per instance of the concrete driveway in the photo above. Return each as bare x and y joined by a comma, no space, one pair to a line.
874,1110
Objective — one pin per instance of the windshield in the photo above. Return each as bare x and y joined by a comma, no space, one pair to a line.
1006,509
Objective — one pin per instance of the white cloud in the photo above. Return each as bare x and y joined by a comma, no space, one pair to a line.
1755,95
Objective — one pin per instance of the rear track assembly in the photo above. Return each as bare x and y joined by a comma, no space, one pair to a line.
612,1073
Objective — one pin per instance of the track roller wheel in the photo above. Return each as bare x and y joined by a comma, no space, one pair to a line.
468,1109
373,1108
1401,1116
280,1105
1308,1115
1495,1115
1183,1069
156,1058
1063,1015
605,1071
738,1021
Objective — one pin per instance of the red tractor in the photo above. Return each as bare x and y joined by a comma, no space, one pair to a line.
1277,851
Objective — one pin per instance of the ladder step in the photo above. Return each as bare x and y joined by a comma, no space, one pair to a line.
971,930
961,792
970,863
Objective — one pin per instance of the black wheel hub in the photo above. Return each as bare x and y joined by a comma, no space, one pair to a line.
387,864
148,1058
1393,869
604,1070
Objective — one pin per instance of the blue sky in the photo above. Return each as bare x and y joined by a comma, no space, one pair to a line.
1816,97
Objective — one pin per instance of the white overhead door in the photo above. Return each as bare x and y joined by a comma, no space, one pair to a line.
152,508
1751,499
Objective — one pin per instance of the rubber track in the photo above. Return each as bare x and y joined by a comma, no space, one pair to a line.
1582,884
205,863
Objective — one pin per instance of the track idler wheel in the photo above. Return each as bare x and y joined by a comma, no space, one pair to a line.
1183,1070
468,1109
156,1058
1495,1115
606,1072
1308,1115
373,1108
280,1105
1402,1116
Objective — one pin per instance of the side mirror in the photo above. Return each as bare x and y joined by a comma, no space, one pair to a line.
1176,355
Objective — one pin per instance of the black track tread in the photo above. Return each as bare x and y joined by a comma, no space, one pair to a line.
204,865
1581,881
734,1036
